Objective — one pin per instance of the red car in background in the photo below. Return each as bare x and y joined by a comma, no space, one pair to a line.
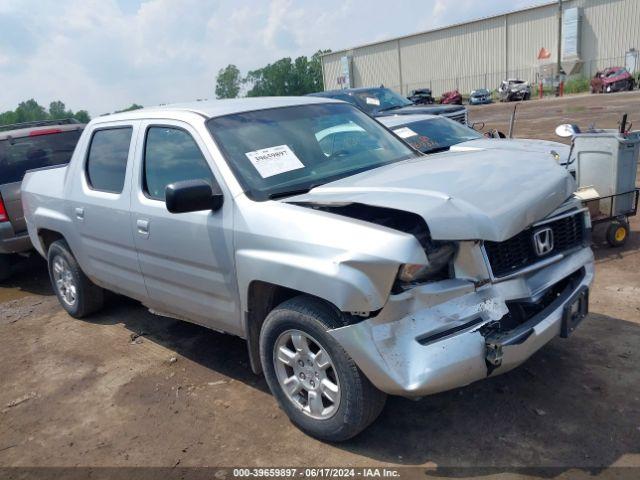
613,79
454,97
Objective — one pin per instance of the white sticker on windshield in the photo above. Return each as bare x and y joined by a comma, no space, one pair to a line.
373,101
274,160
405,132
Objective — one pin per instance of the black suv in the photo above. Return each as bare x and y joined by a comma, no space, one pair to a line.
379,102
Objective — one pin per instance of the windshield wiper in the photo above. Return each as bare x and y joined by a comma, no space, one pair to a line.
392,107
288,193
436,150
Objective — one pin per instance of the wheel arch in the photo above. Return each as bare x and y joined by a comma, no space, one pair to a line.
262,298
46,237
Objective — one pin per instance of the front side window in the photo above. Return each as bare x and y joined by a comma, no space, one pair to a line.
171,155
107,159
279,151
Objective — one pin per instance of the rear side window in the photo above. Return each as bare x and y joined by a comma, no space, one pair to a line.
17,155
107,159
171,155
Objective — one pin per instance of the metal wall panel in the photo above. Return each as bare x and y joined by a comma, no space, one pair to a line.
331,70
456,57
376,64
609,29
527,33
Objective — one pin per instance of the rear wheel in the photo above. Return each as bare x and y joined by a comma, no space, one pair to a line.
617,233
78,295
313,379
5,267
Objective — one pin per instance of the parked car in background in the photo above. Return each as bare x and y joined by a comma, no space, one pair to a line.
614,79
379,102
429,133
480,96
432,134
23,147
454,97
422,96
353,265
514,89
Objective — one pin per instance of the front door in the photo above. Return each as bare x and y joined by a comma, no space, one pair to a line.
187,258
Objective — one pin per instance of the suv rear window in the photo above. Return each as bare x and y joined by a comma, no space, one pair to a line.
107,160
17,155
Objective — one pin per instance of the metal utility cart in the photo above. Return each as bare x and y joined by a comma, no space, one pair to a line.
606,163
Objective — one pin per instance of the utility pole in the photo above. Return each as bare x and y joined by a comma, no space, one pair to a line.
559,64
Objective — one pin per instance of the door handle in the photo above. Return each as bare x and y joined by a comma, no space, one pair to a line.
80,213
143,227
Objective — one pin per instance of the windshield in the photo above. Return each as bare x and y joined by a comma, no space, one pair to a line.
435,134
284,151
379,99
17,155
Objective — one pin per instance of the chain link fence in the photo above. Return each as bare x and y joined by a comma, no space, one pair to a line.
491,81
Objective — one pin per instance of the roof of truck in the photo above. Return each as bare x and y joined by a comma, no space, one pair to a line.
217,108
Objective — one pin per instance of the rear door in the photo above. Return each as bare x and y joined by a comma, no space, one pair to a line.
186,258
99,206
42,148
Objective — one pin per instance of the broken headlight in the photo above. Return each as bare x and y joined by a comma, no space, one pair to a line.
438,267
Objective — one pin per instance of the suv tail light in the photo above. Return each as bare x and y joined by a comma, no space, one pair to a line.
3,212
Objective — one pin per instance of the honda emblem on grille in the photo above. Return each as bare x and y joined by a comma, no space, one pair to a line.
543,241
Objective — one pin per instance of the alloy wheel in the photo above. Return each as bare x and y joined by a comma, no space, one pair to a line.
306,374
64,281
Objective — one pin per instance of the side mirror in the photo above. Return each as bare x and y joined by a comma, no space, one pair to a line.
192,196
478,126
567,130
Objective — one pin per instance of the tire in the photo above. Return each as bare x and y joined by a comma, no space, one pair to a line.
617,233
78,295
357,402
527,96
5,267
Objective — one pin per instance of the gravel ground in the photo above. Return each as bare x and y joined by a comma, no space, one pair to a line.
107,392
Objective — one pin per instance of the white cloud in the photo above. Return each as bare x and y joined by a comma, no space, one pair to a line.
103,55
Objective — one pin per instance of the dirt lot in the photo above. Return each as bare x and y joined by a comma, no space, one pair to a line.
88,393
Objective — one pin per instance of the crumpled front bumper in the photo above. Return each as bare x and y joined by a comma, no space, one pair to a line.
437,336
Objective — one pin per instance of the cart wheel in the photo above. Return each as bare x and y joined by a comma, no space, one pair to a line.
617,233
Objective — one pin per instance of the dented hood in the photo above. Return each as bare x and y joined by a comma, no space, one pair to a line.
540,146
482,194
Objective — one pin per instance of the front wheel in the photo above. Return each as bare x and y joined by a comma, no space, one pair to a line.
78,295
313,379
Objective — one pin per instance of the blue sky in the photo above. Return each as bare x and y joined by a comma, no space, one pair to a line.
103,55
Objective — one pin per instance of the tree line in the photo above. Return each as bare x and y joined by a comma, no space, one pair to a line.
30,111
283,77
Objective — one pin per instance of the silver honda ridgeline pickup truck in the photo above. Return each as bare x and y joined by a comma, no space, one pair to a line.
353,265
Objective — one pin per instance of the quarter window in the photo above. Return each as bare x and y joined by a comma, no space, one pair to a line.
107,160
171,155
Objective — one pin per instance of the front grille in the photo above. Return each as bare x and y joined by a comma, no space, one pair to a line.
459,117
518,252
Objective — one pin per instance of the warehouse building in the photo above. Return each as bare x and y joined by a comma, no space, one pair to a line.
522,44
